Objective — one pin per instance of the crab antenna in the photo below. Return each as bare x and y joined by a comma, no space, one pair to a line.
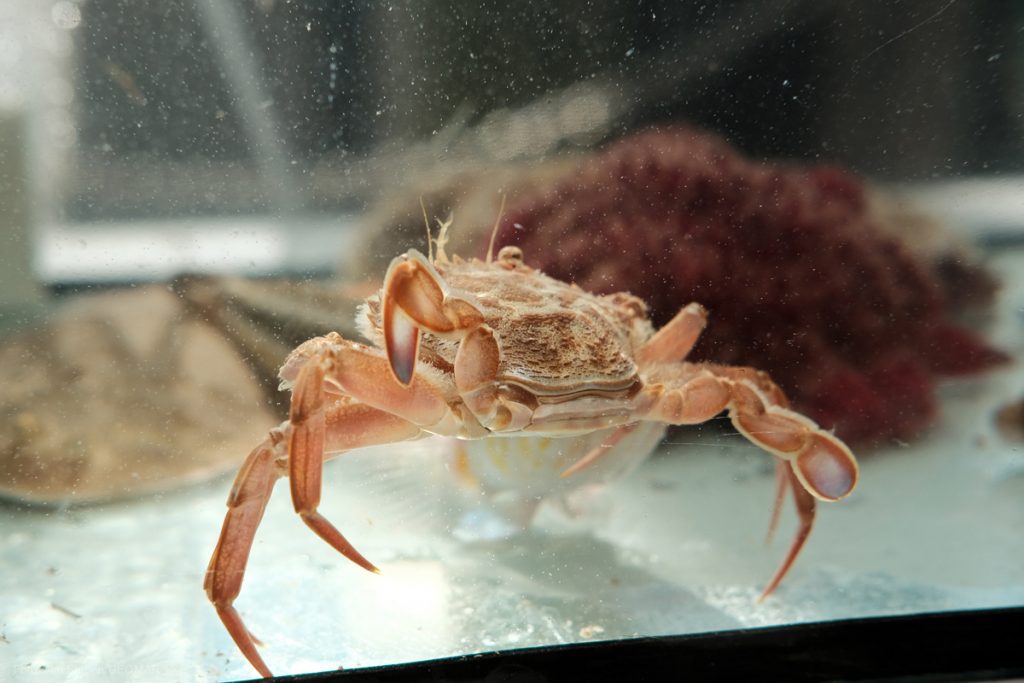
426,223
442,237
494,232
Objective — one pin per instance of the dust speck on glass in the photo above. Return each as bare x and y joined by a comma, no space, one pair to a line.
764,258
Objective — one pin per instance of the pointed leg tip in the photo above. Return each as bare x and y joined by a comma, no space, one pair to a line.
356,557
243,638
769,591
363,562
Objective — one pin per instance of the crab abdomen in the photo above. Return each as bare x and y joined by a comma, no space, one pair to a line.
531,466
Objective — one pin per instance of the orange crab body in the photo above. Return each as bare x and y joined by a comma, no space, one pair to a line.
549,386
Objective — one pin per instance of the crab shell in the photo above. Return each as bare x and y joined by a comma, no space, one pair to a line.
565,369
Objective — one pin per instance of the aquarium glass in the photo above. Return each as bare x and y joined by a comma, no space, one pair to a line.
190,190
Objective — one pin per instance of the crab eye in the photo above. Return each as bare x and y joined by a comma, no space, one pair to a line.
635,305
511,255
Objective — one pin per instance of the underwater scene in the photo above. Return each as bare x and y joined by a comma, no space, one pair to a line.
340,335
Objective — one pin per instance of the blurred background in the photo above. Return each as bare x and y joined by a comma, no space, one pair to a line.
170,114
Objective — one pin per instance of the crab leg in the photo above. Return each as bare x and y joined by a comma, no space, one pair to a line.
782,474
362,373
315,432
820,462
692,394
306,457
805,508
674,341
599,450
246,503
817,464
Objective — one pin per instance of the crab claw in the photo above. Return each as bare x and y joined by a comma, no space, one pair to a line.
401,342
826,468
412,296
416,297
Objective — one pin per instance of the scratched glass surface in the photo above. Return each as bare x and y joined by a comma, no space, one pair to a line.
188,190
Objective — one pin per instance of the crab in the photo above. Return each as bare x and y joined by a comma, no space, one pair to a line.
493,352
